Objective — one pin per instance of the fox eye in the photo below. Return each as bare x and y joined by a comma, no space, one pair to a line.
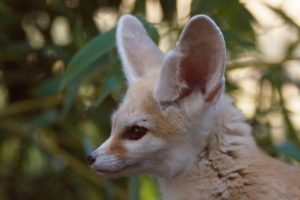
135,132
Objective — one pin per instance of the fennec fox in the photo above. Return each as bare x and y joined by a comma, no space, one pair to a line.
176,123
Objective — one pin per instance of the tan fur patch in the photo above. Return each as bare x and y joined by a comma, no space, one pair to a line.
117,148
140,98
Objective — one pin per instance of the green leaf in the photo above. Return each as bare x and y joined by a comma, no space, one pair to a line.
289,149
139,7
45,119
111,82
69,100
47,87
134,188
95,49
148,188
85,59
73,86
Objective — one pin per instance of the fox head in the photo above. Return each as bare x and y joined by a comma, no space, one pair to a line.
172,99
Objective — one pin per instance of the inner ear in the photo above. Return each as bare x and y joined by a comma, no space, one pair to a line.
203,49
137,51
196,65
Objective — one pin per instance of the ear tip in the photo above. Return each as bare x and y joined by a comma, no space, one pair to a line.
127,18
203,19
128,24
205,22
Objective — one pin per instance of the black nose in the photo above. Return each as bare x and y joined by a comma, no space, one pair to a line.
90,159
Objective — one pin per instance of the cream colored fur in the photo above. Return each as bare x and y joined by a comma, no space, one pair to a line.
197,144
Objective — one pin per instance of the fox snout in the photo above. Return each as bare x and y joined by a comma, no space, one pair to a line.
114,159
90,159
104,164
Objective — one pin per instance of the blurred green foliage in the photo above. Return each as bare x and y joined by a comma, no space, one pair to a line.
52,117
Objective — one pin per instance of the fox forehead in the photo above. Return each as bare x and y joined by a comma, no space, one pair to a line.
139,107
138,101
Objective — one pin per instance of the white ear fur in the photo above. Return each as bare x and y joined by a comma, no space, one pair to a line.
137,51
196,65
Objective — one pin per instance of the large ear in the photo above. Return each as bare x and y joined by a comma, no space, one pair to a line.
196,65
137,51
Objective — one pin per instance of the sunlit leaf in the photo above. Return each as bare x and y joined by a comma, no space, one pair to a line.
283,16
148,188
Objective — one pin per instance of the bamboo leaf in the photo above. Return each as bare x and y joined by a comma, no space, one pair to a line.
290,149
111,82
84,58
134,187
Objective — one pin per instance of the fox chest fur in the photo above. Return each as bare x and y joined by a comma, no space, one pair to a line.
234,186
226,178
176,123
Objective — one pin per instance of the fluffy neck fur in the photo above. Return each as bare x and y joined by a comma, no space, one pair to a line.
220,165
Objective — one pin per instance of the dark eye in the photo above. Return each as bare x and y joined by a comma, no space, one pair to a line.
135,133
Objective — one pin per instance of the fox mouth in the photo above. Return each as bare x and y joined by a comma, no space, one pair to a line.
117,172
